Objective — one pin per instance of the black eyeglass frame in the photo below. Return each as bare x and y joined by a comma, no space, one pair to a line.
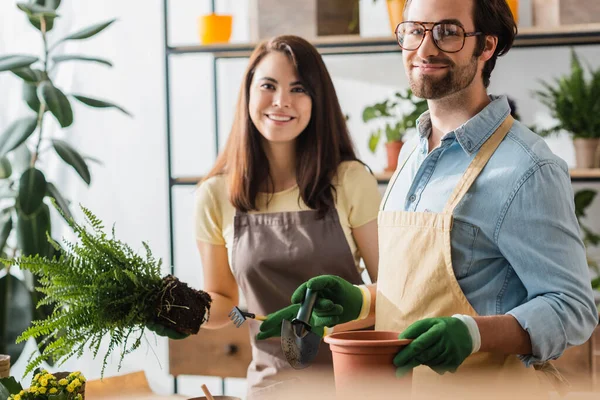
434,24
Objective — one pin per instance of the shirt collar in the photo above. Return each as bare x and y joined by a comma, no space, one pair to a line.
472,134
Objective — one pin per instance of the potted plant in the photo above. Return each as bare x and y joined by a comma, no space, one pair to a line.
397,122
24,187
99,288
583,199
46,386
575,102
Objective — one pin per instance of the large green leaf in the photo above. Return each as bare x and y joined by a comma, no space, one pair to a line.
29,93
9,386
73,158
36,11
99,103
15,315
16,61
57,103
32,189
17,133
31,232
6,225
28,74
52,4
583,199
5,168
67,57
61,202
89,31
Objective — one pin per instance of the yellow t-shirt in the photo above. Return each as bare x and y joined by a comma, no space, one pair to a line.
357,203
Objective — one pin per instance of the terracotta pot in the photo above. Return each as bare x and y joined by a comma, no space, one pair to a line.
363,365
586,152
213,28
393,151
216,398
395,13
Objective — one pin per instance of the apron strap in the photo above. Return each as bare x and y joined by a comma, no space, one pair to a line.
474,169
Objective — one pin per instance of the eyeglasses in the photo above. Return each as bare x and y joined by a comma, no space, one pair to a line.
448,37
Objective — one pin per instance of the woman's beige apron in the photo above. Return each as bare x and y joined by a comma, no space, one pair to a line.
273,254
416,280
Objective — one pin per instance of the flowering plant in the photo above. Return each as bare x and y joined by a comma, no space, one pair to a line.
46,386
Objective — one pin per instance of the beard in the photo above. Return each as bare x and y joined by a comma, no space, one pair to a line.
454,80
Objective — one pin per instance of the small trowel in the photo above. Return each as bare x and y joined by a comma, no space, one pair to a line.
299,344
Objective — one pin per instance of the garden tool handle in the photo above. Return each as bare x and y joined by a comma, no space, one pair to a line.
307,306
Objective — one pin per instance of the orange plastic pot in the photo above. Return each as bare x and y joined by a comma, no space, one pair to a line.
214,29
363,365
395,13
393,152
514,8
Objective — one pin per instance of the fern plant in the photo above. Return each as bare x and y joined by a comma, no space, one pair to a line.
100,287
573,101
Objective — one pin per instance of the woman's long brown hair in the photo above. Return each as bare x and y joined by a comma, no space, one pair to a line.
320,148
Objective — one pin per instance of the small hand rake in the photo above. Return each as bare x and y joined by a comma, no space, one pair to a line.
238,316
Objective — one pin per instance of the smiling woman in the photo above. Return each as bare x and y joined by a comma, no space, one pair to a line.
287,200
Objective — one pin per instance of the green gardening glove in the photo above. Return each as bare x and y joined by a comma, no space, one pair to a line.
338,301
440,343
162,330
271,327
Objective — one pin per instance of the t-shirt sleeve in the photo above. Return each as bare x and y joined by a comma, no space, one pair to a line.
362,194
208,217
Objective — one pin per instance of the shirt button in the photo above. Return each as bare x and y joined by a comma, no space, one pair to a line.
412,198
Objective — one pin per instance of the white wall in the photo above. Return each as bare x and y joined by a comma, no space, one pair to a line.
131,188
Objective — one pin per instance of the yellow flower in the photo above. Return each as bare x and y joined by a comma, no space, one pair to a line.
36,377
70,389
17,397
79,397
63,382
42,390
33,389
76,382
82,378
44,382
48,376
53,390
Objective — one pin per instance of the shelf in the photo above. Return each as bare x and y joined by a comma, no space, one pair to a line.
568,35
577,175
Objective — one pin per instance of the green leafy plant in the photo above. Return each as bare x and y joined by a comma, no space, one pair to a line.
574,101
45,386
100,287
397,121
24,188
583,199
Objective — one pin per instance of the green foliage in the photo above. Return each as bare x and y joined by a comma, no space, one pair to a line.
583,199
573,101
397,121
24,188
99,286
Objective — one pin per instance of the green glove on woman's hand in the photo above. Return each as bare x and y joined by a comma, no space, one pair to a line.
271,327
338,301
162,330
440,343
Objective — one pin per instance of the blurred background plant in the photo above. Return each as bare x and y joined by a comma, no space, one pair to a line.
24,188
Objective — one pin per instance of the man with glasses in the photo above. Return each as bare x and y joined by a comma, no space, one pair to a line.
480,259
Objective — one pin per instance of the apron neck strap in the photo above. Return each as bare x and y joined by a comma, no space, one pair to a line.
474,169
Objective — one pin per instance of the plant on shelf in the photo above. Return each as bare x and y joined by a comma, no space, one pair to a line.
583,199
100,287
397,122
24,187
574,102
45,386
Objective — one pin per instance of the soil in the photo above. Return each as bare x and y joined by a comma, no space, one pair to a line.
180,307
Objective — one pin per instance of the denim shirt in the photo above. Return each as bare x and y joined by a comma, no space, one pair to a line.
516,247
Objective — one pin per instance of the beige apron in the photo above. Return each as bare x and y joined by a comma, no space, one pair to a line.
273,254
416,280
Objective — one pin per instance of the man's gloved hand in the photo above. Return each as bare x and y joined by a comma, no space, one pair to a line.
338,301
162,330
271,327
440,343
